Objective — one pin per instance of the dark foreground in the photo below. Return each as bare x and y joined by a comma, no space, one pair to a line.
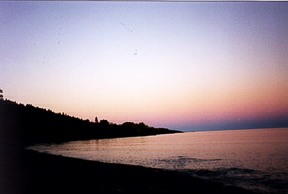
25,171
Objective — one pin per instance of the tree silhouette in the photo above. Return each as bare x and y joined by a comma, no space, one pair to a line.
33,125
104,122
1,94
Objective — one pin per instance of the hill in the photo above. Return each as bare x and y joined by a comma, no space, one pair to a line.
28,125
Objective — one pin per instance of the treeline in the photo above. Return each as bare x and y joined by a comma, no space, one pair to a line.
28,125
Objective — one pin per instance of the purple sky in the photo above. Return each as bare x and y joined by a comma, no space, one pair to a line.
168,64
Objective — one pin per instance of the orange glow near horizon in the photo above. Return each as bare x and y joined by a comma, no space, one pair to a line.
163,63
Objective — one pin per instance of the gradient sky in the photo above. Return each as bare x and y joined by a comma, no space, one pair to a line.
168,64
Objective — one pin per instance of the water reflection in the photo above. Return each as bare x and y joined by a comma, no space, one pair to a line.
249,149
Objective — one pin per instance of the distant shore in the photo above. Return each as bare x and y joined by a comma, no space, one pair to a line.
29,125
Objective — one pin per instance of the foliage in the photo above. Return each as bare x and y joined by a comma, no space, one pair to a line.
31,125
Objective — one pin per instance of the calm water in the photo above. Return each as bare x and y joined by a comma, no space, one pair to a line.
254,159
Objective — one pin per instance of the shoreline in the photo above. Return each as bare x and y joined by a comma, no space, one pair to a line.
28,171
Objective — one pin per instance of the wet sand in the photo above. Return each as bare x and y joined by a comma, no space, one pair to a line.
26,171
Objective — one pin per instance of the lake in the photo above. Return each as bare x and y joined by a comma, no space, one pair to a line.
253,159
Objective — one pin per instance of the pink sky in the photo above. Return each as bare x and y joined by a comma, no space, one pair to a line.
163,63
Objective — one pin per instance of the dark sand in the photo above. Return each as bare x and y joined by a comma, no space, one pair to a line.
25,171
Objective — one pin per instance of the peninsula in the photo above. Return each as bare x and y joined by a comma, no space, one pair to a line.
30,125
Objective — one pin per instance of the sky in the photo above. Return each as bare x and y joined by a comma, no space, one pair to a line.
181,65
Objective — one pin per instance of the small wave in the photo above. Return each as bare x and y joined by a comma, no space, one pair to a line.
220,172
183,159
255,180
181,162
